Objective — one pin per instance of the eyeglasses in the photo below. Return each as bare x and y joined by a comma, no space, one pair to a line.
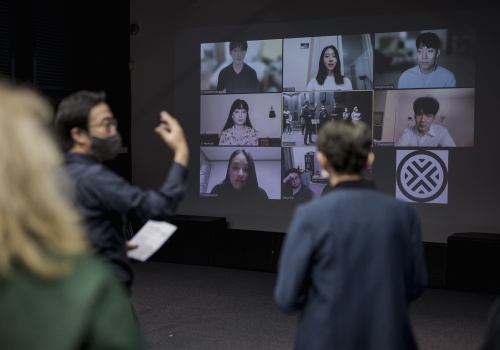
293,178
107,124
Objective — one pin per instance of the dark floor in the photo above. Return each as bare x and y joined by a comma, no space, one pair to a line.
200,307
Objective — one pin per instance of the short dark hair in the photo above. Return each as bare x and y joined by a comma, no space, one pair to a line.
293,170
73,111
426,104
428,39
235,44
346,145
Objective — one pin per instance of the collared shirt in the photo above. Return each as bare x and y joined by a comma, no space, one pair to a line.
438,136
106,200
359,184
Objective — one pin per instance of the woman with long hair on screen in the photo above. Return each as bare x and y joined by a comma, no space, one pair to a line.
329,75
54,293
241,179
238,130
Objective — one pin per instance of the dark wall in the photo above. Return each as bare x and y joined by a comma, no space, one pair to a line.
60,47
162,79
162,19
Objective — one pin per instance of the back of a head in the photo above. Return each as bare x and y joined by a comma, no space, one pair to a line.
429,40
35,219
346,145
73,111
24,127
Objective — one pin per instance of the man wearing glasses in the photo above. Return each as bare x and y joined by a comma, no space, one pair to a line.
88,132
292,187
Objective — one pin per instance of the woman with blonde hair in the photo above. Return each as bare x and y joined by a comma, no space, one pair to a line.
54,294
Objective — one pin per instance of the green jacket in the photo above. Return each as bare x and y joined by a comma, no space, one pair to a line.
89,309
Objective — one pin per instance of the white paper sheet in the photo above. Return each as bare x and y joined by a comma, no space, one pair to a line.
150,238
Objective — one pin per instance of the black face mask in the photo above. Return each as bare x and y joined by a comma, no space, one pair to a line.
107,148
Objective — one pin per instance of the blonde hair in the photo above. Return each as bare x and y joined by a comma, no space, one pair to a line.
39,227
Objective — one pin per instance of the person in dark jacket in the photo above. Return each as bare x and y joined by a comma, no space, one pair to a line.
308,113
87,129
352,259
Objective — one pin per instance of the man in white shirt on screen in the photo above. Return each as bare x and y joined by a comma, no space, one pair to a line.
425,133
427,74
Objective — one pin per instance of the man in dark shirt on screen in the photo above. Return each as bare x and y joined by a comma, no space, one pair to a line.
293,188
337,112
308,112
238,77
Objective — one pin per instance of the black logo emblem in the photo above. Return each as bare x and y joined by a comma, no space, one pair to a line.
422,176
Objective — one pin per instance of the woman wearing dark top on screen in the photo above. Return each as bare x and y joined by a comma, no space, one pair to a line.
241,179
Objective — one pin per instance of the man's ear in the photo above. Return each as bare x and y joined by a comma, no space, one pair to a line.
79,136
321,159
323,163
370,160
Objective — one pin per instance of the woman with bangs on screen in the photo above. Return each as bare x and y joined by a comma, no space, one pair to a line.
329,75
238,130
241,179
